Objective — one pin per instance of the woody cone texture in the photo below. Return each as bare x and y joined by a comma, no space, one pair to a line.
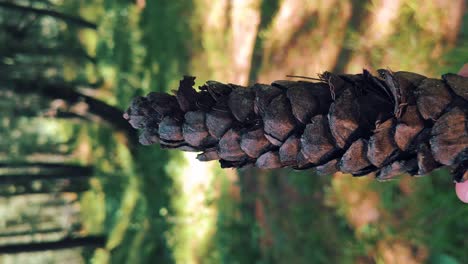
391,124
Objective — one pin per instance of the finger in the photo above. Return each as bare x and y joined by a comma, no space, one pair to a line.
461,189
464,70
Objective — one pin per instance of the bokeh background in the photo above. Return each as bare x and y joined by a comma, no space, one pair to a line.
76,187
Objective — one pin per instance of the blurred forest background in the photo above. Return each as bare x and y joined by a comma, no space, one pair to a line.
76,187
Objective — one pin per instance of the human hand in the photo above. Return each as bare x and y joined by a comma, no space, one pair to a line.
461,189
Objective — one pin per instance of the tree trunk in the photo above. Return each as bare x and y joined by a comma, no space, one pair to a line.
22,173
29,104
43,12
396,123
106,112
90,241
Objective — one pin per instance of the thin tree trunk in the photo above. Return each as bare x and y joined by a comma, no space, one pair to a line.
43,12
15,178
396,123
106,112
90,241
45,165
21,173
34,105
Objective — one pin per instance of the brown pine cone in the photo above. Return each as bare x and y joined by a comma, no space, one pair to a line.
395,123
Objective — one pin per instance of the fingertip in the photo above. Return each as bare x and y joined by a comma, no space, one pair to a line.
461,189
464,70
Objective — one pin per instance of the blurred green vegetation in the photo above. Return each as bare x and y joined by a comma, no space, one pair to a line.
137,193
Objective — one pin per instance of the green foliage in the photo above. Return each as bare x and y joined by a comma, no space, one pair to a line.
120,53
438,216
36,135
236,231
268,10
300,220
167,38
127,53
457,56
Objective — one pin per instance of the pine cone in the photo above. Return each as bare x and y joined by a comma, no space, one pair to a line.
395,123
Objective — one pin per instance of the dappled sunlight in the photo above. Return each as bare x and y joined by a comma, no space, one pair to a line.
229,32
291,16
381,21
37,215
395,252
377,27
196,216
93,203
307,46
355,200
124,213
399,28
